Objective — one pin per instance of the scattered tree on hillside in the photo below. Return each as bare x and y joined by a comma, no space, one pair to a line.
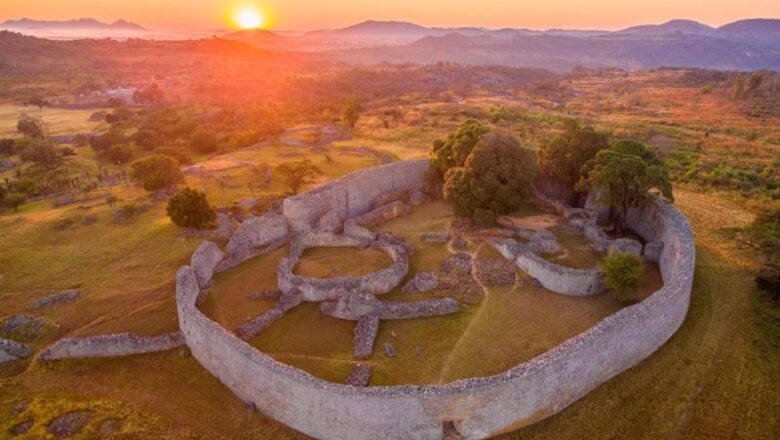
38,102
204,141
298,174
351,113
495,179
14,200
30,127
453,151
564,155
42,154
189,209
622,273
156,172
625,174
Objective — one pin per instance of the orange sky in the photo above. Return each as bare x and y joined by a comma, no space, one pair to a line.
310,14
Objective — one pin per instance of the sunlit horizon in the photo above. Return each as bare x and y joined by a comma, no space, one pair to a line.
305,15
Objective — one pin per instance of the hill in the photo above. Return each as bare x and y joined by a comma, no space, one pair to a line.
80,23
670,27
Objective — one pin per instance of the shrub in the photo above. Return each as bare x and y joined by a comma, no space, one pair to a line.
14,200
43,154
189,209
126,212
175,153
351,113
30,127
156,172
119,154
622,273
298,174
7,146
496,178
204,141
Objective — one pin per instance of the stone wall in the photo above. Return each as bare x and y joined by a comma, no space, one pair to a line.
123,344
354,194
476,408
560,279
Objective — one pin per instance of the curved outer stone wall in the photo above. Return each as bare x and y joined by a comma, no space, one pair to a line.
479,407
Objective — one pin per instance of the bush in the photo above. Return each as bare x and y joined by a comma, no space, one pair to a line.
177,154
7,146
43,154
496,178
204,141
622,273
298,174
189,209
156,172
119,154
768,279
351,113
14,200
30,127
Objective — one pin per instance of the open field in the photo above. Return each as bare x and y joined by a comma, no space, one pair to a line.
56,121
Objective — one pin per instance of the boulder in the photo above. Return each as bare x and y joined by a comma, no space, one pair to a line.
417,198
11,351
247,204
389,350
255,232
626,245
6,164
435,237
204,261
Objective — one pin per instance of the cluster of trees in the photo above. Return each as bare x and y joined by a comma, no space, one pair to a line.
484,172
156,172
189,209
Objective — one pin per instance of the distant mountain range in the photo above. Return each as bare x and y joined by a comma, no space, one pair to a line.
80,23
742,45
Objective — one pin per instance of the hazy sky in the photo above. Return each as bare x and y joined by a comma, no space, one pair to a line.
310,14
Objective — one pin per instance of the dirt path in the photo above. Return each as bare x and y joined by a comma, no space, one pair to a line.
445,369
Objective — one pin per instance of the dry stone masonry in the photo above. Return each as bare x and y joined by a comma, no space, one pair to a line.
123,344
472,408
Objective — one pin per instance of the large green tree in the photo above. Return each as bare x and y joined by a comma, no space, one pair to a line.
625,174
189,209
495,179
453,151
156,172
297,174
563,155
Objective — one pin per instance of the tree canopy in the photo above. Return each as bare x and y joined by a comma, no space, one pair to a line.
564,155
30,127
156,172
351,113
189,209
622,273
297,174
453,151
496,177
624,175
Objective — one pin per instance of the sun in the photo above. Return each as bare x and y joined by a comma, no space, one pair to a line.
249,18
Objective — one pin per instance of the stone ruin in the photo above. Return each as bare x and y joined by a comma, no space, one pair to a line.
341,213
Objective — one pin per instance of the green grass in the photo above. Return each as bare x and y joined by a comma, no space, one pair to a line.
56,121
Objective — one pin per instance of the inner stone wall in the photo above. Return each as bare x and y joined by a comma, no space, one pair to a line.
354,194
476,408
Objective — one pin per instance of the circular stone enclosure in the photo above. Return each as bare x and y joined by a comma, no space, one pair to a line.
476,408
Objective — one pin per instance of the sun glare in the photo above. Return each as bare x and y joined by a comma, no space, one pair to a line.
249,18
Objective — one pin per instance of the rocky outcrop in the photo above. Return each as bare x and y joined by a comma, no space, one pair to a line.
56,298
435,237
123,344
11,351
253,237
